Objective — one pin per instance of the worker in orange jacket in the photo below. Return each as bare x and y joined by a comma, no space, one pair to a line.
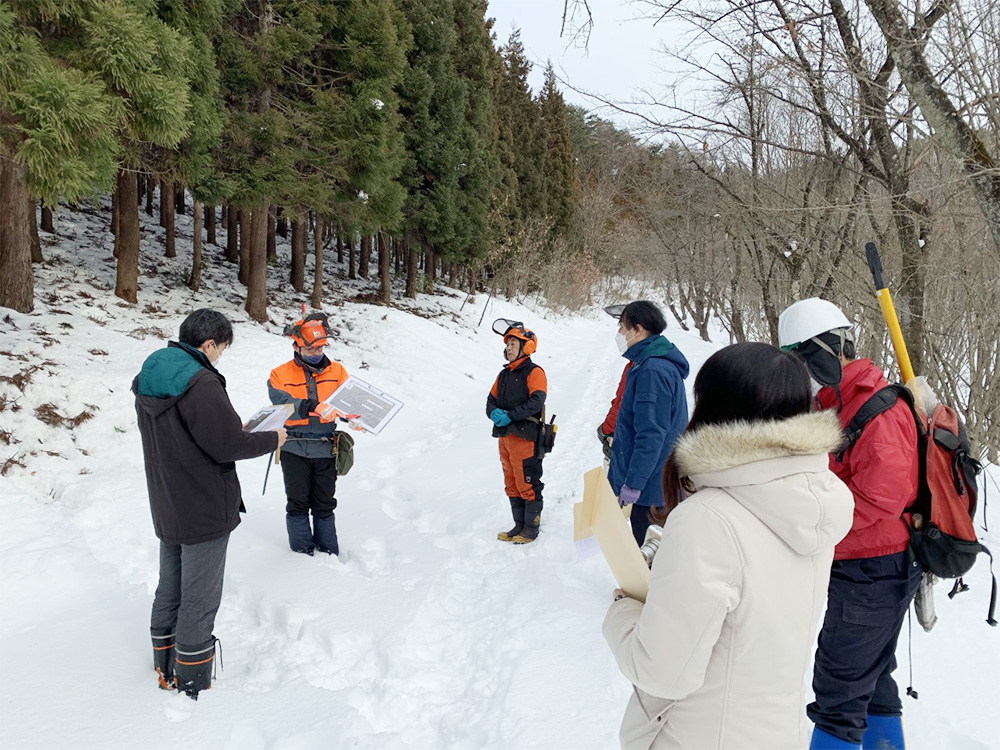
308,462
515,406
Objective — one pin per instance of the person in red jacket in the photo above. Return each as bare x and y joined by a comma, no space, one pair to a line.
606,429
874,575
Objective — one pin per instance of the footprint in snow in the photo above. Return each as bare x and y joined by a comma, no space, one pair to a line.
177,707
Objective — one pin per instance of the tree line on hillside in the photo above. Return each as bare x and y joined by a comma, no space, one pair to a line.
395,127
817,128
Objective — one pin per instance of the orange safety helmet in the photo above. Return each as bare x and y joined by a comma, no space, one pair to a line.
515,329
313,330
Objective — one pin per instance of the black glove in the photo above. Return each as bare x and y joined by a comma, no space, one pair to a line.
605,441
307,405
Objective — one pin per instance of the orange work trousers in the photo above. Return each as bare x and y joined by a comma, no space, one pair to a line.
522,472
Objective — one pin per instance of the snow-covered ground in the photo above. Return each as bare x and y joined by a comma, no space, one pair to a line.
426,632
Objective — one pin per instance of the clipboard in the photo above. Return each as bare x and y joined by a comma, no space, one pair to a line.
598,515
374,408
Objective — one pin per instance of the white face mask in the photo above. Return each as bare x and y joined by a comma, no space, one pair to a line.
218,355
622,342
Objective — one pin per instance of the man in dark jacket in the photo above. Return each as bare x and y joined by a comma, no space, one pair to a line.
874,575
652,412
515,406
191,437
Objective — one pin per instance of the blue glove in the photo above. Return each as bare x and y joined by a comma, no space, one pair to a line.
628,496
500,417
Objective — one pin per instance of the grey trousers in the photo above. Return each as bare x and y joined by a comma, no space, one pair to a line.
189,592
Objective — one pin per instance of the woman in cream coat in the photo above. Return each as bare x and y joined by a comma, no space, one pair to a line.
718,654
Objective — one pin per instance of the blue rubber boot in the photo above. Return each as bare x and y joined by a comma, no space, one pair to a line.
325,535
823,741
884,733
300,536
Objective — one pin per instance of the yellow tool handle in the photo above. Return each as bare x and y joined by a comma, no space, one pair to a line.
896,334
889,312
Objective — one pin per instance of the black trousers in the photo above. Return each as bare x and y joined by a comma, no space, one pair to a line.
856,654
310,484
640,522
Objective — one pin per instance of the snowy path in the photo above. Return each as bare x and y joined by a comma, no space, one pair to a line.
426,633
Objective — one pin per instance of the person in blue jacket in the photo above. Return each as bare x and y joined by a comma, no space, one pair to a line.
652,414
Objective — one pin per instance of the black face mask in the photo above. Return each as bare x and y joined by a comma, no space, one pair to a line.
823,364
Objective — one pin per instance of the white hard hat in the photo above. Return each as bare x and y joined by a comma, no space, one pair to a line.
807,318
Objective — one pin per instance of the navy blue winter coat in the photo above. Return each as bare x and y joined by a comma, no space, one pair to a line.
652,415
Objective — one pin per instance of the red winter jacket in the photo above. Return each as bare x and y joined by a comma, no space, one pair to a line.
608,426
881,468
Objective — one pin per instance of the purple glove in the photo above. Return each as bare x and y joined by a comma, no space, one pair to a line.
628,496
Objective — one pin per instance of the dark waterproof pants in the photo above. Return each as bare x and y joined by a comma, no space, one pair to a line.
310,484
190,590
640,522
856,654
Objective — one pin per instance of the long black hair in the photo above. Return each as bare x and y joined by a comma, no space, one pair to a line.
742,383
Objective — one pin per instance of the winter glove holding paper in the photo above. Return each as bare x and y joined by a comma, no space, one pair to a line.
500,417
628,496
306,407
326,412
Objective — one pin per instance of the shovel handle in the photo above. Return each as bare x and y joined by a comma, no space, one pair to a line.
889,313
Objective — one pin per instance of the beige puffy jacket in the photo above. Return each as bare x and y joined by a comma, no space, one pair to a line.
719,652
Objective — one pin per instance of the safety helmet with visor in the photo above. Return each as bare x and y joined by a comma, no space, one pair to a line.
515,329
311,332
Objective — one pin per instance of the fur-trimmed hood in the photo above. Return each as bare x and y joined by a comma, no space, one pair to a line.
779,471
724,446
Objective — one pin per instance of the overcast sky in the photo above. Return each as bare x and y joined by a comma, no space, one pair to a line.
621,59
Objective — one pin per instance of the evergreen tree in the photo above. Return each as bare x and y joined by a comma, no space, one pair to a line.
53,144
476,63
432,101
82,83
345,131
522,131
560,163
257,48
191,164
145,64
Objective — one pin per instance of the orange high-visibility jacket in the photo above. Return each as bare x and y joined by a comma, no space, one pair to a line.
293,379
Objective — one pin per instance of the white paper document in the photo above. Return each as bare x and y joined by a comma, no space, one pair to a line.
269,418
375,409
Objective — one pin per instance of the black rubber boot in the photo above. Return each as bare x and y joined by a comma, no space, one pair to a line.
163,659
193,668
532,520
517,511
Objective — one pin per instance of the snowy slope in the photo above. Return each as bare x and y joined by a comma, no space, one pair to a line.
426,632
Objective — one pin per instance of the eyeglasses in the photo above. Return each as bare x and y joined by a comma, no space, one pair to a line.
313,349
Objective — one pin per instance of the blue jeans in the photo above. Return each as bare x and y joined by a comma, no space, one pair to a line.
856,654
